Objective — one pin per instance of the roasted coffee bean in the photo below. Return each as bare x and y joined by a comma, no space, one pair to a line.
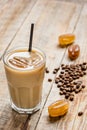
80,89
83,67
75,83
62,65
79,82
66,70
66,82
57,78
60,75
70,80
49,80
62,72
56,81
71,90
77,76
71,98
56,69
54,72
84,73
83,86
81,74
61,88
84,63
64,92
64,86
67,95
63,79
59,84
76,91
60,80
77,86
61,93
46,70
80,113
67,89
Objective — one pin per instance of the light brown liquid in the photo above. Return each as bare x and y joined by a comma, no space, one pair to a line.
25,73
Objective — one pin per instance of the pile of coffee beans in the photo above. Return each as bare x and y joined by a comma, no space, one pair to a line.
68,80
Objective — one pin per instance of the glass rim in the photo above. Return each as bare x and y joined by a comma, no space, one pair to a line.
23,47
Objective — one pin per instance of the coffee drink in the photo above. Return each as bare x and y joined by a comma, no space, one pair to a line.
25,74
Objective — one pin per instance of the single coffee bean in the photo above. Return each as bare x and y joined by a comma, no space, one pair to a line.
59,84
61,88
67,95
54,72
83,67
46,70
60,75
64,91
56,81
80,89
81,74
57,78
61,93
62,72
61,80
56,69
76,91
77,86
62,65
71,98
84,63
84,73
80,113
83,86
79,82
75,83
49,80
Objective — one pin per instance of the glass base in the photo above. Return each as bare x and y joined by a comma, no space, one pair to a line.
26,111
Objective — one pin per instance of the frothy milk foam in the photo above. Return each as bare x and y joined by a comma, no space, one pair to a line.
25,73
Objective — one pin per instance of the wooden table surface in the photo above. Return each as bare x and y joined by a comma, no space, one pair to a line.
51,19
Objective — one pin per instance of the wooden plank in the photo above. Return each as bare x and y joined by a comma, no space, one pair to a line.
6,114
48,25
81,34
8,118
71,121
12,16
76,1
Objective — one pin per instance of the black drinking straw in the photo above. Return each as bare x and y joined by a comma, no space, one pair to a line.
31,37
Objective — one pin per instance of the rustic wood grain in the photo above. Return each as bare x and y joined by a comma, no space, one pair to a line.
81,33
9,120
75,1
51,19
49,23
71,121
12,16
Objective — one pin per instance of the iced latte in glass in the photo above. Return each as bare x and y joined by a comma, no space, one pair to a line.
25,74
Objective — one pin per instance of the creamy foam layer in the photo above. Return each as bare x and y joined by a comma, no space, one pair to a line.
24,60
